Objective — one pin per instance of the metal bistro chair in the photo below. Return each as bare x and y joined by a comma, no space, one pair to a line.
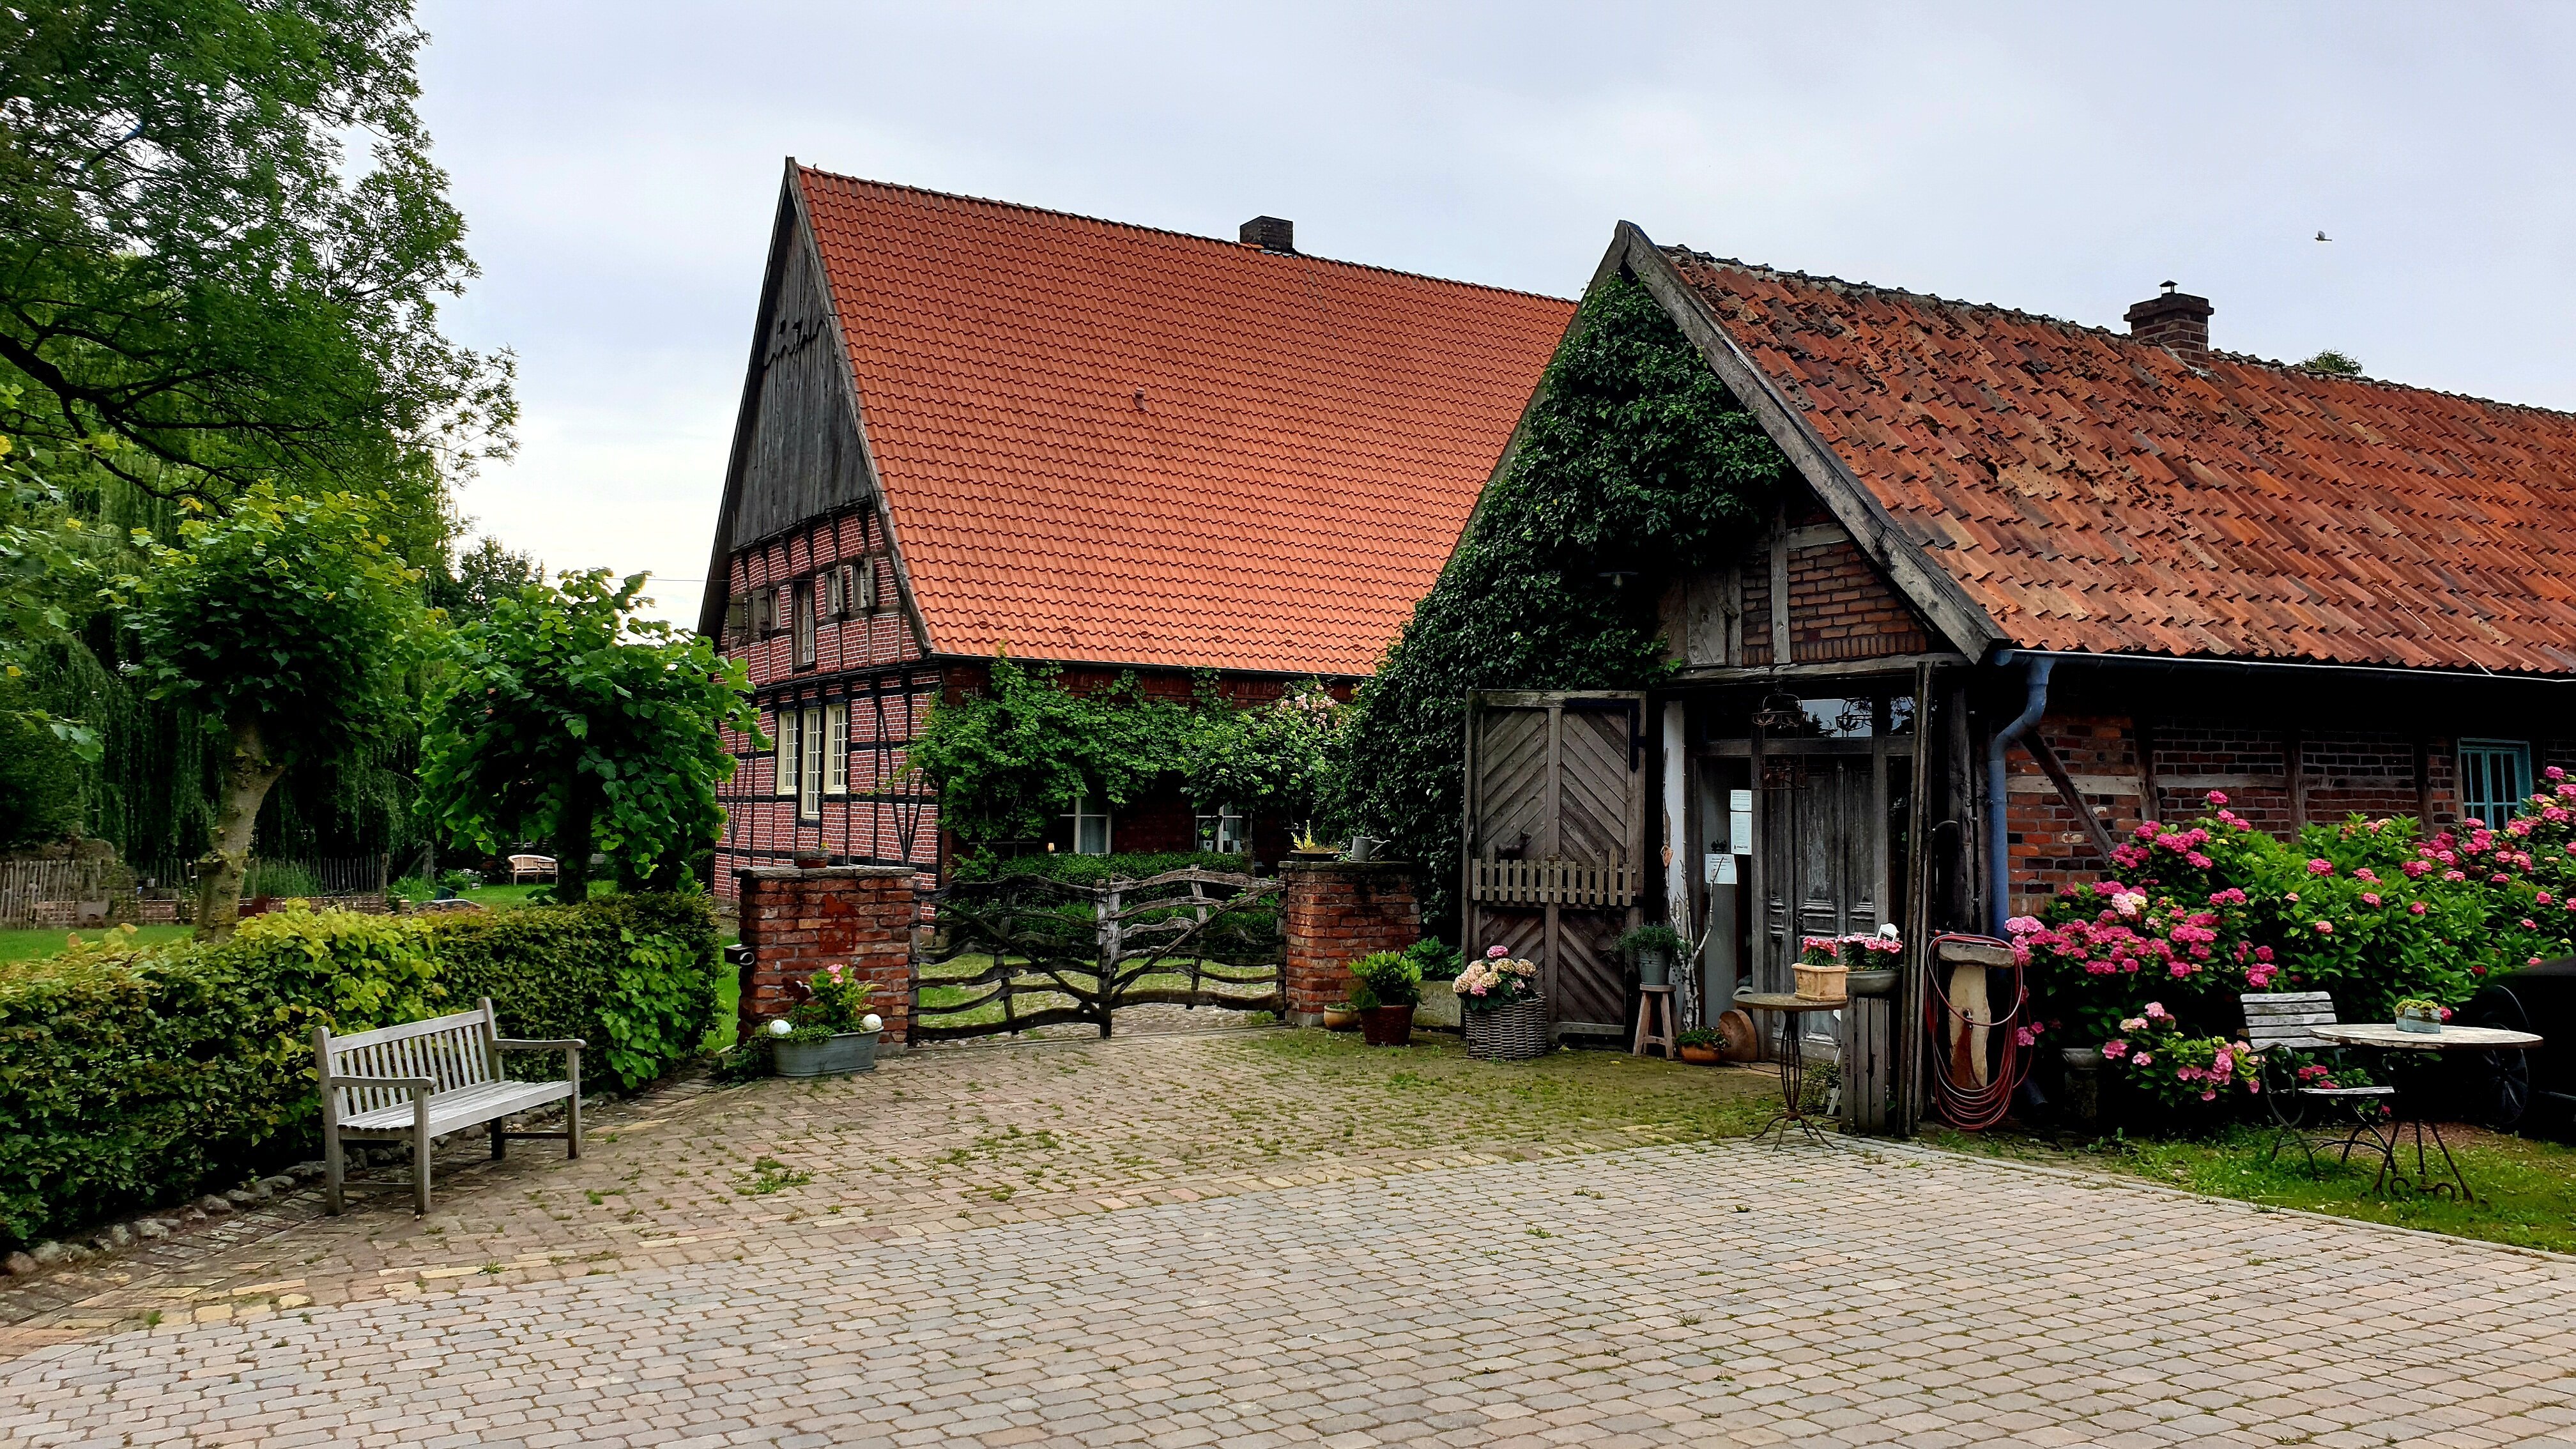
2285,1021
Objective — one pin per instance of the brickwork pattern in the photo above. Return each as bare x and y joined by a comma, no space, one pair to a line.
1840,607
1335,913
798,922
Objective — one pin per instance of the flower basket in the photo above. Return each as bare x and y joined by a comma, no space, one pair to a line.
1822,983
1513,1033
833,1056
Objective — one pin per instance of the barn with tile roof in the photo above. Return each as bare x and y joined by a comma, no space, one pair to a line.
2044,584
969,427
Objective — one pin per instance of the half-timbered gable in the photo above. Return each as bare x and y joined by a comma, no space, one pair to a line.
971,428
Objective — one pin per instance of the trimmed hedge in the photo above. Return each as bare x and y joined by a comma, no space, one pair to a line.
135,1077
1092,870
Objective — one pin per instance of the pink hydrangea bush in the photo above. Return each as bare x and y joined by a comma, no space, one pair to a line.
1496,980
2155,1055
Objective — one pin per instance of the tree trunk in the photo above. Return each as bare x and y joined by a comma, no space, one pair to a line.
247,778
572,842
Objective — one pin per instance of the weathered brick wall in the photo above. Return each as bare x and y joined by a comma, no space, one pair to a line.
1840,607
2342,772
1335,913
798,922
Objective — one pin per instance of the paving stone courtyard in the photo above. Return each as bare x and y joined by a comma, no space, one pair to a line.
1269,1237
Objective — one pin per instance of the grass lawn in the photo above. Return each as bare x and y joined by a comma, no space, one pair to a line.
2528,1187
33,944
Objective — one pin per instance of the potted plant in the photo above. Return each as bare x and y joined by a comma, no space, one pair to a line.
1506,1016
1653,948
1870,963
1820,969
1700,1046
831,1032
1341,1016
2417,1013
1440,965
1309,846
1386,986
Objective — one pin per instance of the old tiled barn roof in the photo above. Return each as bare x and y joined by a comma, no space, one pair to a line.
1107,443
2094,493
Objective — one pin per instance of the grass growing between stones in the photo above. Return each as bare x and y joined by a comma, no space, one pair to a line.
2527,1188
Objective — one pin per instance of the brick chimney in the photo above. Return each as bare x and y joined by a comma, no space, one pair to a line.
1271,234
2174,319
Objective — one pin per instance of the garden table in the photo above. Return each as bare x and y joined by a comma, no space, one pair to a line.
2387,1037
1793,1061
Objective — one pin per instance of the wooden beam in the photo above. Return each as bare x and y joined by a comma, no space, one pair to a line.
1780,592
1891,666
1918,913
2424,784
2149,809
2294,764
2055,769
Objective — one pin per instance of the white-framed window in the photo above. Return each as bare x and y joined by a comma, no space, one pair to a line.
809,775
790,750
836,749
805,628
1221,830
2495,775
1090,817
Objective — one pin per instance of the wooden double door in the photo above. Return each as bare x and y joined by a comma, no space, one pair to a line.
1556,842
1824,849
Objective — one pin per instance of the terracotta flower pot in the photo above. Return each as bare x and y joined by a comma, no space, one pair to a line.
1700,1056
1387,1025
1341,1018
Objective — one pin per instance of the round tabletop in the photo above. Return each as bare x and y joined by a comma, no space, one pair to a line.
1785,1001
2449,1038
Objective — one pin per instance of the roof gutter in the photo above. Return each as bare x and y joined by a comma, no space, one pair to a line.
1998,851
2280,668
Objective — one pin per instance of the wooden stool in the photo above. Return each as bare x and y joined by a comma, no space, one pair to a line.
1655,1004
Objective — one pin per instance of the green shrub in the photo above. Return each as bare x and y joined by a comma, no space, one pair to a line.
133,1077
632,975
1092,870
1385,978
1436,959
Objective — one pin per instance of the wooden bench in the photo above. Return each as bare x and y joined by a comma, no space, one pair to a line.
426,1079
2286,1021
524,866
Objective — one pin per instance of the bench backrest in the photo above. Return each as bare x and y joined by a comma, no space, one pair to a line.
2286,1018
532,862
454,1050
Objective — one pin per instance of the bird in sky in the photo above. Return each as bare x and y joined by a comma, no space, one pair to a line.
2321,236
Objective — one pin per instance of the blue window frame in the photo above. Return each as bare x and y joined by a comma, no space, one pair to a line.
2495,775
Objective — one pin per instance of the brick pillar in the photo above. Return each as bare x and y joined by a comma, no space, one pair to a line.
1338,911
797,922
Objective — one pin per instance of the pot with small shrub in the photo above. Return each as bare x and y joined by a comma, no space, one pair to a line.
1341,1016
831,1032
1654,949
1386,986
1701,1046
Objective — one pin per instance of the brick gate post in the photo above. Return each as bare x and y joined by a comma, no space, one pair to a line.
1336,912
798,921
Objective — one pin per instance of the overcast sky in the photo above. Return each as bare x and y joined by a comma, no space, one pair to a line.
618,164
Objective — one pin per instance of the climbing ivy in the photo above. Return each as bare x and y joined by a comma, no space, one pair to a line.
1636,466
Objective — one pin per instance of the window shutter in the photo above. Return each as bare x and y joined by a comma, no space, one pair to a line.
836,749
829,586
737,620
868,586
788,753
783,608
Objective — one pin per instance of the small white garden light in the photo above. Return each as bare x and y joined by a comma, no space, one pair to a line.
872,1022
781,1026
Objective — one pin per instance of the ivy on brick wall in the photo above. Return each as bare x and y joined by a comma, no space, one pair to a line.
1637,465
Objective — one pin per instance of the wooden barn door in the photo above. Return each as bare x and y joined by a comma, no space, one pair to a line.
1555,841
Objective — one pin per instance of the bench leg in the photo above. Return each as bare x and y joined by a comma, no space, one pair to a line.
572,1104
335,1171
500,1141
420,1157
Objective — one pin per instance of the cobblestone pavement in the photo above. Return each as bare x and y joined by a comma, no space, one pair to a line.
1382,1248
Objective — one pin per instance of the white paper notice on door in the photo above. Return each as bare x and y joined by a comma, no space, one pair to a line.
1739,821
1719,869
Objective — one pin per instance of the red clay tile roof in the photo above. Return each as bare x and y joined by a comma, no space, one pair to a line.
2094,493
1310,438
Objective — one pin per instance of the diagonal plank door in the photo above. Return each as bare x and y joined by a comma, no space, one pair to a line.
1555,837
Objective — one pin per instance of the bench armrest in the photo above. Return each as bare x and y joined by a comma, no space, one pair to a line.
571,1043
415,1084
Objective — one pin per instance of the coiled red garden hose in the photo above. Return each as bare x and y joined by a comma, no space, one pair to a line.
1964,1103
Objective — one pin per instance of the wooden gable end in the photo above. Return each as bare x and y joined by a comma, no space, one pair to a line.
803,459
1805,594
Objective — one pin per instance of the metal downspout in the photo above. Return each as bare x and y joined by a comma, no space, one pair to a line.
1998,852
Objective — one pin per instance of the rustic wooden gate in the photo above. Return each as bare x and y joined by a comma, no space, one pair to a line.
1024,951
1556,841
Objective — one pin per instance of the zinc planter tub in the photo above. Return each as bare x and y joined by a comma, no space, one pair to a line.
833,1056
1439,1007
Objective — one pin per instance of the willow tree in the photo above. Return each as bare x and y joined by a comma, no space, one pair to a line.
286,623
567,719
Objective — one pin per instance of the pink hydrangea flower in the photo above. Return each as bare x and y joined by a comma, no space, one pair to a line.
2414,908
2217,797
2325,928
2321,867
2370,898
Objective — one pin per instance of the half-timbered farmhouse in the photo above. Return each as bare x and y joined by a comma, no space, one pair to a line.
971,428
2041,583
